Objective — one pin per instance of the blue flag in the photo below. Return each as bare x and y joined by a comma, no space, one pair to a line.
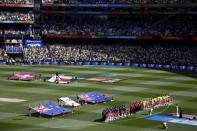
51,109
94,97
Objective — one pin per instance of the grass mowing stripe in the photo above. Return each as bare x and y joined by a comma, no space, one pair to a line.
138,83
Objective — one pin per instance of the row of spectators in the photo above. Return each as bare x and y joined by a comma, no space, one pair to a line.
120,1
145,53
16,1
16,16
4,57
119,25
13,41
14,49
16,32
36,54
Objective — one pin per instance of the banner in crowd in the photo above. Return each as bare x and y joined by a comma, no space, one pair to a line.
16,5
116,5
143,37
32,43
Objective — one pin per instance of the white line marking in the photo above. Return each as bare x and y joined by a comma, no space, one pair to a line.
13,100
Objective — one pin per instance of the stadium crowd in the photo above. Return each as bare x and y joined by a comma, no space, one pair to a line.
139,53
120,1
119,26
16,16
24,31
16,1
36,54
17,32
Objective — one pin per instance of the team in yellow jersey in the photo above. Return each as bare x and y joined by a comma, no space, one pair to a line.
157,102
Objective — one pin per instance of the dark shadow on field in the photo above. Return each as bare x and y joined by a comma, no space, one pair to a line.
98,120
17,119
191,74
37,115
186,73
161,128
145,114
8,126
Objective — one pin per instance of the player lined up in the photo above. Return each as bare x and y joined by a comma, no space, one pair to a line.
157,102
122,111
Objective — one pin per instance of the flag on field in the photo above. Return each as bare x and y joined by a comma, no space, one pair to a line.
24,76
61,79
68,102
51,109
94,97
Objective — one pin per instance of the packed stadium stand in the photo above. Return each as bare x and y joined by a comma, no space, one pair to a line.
119,25
138,53
111,31
119,1
16,16
15,1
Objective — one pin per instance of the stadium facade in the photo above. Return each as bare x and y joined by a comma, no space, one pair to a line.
154,34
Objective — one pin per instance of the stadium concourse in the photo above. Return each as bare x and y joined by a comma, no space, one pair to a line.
137,84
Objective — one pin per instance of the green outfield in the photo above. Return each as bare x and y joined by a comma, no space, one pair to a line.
137,83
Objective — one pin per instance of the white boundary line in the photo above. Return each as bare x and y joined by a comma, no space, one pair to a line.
13,100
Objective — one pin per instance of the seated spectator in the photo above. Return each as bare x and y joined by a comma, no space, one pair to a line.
16,1
119,26
155,54
16,16
120,1
36,54
2,54
18,32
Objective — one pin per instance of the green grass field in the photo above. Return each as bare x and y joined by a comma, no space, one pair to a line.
137,84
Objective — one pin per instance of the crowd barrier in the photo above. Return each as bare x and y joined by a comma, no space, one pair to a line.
121,64
142,65
48,62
